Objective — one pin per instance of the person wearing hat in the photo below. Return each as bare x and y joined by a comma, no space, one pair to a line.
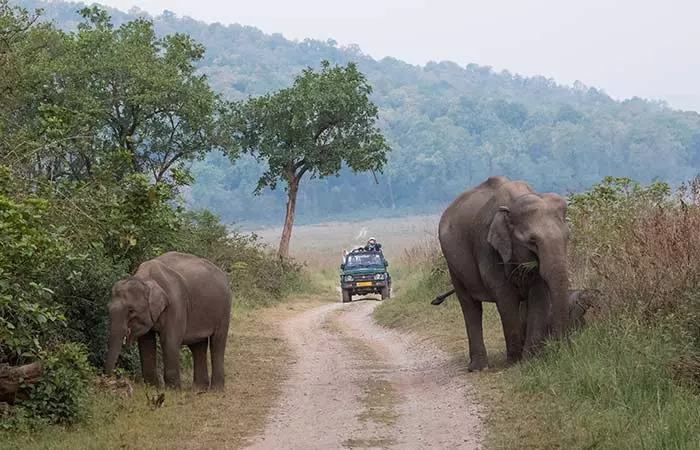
373,245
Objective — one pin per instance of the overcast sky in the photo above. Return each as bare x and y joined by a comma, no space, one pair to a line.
626,47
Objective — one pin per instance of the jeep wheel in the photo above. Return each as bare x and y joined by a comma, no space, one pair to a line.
346,296
386,293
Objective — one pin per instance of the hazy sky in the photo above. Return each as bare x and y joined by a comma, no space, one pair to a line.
626,47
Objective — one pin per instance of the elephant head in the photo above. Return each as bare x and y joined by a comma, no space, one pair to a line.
531,230
134,309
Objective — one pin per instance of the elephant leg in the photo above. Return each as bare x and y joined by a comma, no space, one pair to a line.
473,314
199,358
508,305
218,350
147,353
171,361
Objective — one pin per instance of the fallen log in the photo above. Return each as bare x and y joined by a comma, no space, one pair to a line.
12,378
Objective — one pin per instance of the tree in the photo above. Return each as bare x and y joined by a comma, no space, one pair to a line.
324,120
121,100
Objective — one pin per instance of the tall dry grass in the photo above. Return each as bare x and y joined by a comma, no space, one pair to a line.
642,247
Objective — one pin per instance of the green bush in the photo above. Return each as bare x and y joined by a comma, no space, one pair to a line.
59,396
256,276
29,321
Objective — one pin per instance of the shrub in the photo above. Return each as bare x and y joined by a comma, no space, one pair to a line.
29,321
256,275
59,396
641,246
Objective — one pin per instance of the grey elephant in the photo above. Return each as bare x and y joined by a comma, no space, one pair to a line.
505,243
183,299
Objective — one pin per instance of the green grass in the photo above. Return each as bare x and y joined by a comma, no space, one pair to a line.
608,388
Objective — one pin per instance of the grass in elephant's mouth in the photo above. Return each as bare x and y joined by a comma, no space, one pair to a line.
255,359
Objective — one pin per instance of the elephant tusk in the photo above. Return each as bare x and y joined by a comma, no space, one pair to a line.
127,337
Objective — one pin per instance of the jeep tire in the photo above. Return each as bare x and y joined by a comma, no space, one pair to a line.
346,296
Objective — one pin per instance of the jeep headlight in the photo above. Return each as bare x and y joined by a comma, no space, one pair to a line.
379,276
348,278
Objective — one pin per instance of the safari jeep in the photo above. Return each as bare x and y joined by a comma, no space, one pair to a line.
364,272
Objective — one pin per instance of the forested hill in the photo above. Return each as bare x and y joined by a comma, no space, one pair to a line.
449,126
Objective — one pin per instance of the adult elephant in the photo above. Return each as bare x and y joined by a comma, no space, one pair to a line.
505,243
183,299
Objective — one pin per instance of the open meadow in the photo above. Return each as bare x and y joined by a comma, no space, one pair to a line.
323,243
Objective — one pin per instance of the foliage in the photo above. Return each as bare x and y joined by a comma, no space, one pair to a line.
323,121
610,389
60,394
117,100
639,245
256,277
29,322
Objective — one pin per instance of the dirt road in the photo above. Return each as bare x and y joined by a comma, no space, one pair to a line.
357,385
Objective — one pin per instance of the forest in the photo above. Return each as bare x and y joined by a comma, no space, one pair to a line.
449,127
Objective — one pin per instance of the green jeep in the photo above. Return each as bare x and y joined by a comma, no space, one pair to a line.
364,272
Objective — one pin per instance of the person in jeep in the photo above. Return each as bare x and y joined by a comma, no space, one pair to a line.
372,245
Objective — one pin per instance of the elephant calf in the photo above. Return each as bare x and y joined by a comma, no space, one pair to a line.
183,299
580,301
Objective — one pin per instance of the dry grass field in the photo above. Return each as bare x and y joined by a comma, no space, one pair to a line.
323,243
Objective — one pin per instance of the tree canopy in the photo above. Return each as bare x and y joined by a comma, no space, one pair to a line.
102,96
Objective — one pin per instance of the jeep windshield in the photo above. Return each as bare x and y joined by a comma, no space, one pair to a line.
364,260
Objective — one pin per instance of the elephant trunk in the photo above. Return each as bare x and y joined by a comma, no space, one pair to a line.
554,271
117,332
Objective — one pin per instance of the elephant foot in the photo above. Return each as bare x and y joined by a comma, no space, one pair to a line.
477,365
515,357
217,384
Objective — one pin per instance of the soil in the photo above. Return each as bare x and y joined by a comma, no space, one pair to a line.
354,384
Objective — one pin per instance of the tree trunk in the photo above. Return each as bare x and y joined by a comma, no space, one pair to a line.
11,380
293,189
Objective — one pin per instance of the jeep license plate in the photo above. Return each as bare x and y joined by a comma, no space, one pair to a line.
364,283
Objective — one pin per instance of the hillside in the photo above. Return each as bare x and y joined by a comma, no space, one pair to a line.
450,127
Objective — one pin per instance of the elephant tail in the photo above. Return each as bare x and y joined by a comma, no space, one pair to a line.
441,298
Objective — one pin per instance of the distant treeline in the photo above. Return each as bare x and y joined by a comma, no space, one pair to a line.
449,126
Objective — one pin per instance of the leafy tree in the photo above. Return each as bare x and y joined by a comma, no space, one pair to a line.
122,100
324,120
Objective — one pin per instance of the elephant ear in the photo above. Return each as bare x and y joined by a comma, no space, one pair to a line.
499,234
157,300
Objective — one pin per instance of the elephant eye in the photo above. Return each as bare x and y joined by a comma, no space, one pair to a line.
532,241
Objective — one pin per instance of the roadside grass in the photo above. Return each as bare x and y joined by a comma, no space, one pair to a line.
256,358
609,387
